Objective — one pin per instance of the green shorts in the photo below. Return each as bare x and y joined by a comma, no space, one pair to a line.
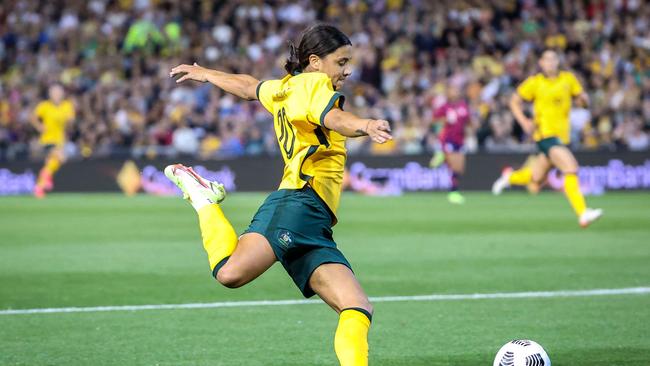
47,149
298,225
546,144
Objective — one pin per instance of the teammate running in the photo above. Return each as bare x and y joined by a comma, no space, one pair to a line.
455,115
551,92
50,119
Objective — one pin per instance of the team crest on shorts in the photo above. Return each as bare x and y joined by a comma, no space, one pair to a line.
285,238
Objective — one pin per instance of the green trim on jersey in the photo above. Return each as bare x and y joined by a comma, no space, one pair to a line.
257,90
322,139
336,96
310,152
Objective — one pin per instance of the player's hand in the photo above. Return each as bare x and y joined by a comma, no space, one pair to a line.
192,72
379,130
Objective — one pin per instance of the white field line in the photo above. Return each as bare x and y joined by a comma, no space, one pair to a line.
433,297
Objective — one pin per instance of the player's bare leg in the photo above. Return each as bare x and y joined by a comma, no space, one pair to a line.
564,160
234,262
338,287
456,162
539,168
252,257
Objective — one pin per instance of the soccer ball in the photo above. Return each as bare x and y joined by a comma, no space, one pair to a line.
522,352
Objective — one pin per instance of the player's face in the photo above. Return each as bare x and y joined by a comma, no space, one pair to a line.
337,65
453,93
549,62
56,94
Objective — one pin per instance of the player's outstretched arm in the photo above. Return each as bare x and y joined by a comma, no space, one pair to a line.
516,106
241,85
347,124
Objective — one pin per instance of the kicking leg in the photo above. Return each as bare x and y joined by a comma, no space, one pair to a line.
234,262
338,287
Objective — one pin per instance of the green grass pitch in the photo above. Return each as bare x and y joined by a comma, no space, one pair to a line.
94,250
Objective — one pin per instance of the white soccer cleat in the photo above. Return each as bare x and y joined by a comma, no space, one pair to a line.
503,182
590,215
195,189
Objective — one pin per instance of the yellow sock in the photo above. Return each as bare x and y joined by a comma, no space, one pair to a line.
219,237
573,194
521,177
351,339
52,165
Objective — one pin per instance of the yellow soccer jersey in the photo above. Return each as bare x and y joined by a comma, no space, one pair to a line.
54,118
551,99
312,153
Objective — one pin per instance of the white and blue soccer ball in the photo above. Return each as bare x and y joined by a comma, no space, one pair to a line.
522,352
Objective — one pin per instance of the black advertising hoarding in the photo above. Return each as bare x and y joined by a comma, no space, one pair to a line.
373,174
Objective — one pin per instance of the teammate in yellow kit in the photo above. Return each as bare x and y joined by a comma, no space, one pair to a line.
551,93
294,224
50,119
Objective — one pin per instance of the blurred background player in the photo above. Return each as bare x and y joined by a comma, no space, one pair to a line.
551,92
454,114
50,119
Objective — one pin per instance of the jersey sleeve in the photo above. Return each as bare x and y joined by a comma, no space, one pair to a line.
39,109
527,89
321,98
264,93
576,88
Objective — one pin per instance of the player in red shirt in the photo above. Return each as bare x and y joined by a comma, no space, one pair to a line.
455,115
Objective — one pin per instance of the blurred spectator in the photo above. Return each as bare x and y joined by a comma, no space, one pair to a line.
113,57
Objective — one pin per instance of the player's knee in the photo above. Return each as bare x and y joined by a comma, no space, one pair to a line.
230,278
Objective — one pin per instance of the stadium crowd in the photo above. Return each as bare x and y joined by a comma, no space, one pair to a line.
113,58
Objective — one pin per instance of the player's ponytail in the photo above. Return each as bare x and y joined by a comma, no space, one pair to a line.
319,40
293,64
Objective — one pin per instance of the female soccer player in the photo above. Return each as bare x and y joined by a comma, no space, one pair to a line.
550,92
50,119
454,113
294,224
